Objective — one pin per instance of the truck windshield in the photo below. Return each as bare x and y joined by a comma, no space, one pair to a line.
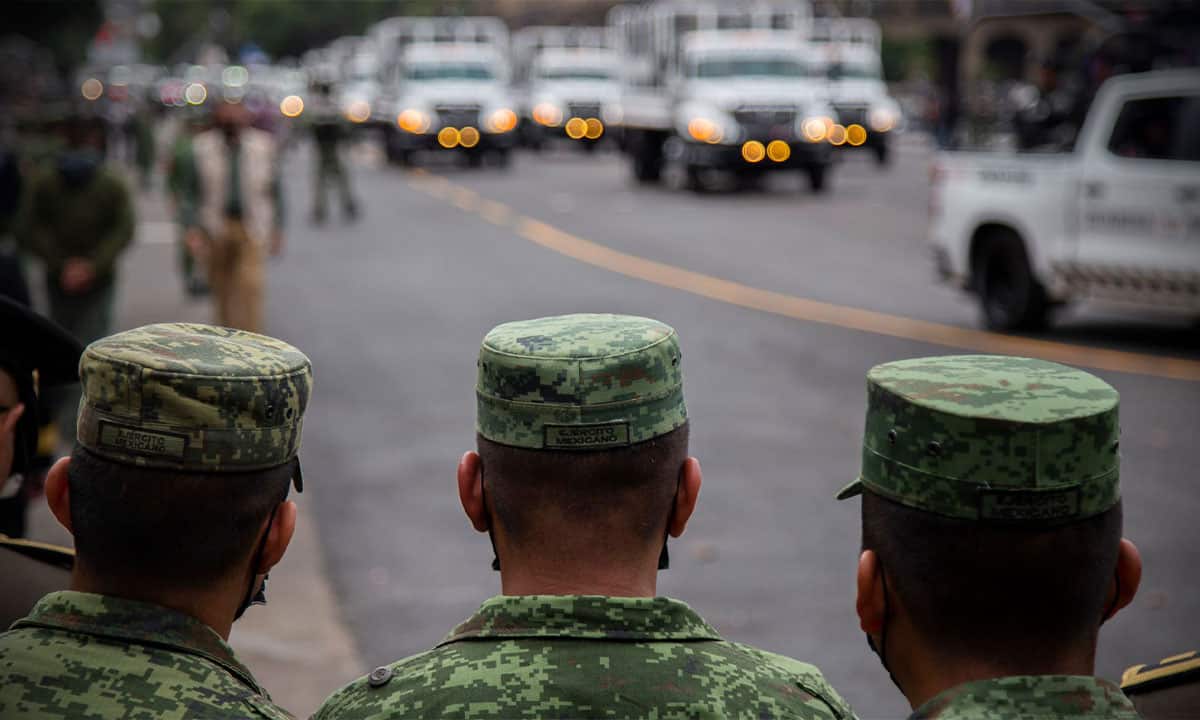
595,74
847,71
748,67
449,71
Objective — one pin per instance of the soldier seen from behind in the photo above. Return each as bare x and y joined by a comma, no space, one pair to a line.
176,496
329,135
991,536
582,473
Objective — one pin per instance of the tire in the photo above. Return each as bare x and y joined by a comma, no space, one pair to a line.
647,154
883,154
474,159
694,179
1010,297
503,158
817,178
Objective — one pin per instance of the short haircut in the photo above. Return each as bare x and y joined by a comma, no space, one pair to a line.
990,590
624,495
171,527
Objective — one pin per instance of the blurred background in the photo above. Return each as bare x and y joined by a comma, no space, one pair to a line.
803,189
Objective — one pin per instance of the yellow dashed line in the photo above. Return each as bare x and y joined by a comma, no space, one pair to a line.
816,311
465,199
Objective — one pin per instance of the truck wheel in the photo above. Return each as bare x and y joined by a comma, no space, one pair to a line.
816,177
646,149
503,158
883,155
475,159
695,180
1010,296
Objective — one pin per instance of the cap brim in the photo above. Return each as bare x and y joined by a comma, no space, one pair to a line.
298,476
854,488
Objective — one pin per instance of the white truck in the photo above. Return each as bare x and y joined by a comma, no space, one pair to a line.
1115,219
848,50
721,86
569,81
447,80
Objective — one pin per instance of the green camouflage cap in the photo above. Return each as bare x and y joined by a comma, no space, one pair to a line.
579,382
193,397
990,437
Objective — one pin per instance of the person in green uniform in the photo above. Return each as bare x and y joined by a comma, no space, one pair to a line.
581,474
181,180
176,496
78,218
329,135
991,536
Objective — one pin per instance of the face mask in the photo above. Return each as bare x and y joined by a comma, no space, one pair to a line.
259,596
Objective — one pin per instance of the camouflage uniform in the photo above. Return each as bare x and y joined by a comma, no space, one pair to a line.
1012,440
585,382
173,396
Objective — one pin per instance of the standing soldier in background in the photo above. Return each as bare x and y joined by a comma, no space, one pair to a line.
176,496
329,131
181,178
582,474
233,212
991,536
78,218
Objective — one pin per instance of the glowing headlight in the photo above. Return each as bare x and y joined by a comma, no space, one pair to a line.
548,114
358,111
413,121
705,130
502,120
882,119
814,129
291,106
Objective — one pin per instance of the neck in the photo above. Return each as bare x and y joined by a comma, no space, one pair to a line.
214,605
578,575
924,673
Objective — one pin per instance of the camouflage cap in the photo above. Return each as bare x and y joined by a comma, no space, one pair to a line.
579,382
988,437
193,397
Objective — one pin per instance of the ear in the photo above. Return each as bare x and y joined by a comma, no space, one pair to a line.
278,537
1128,577
470,490
686,495
58,493
870,602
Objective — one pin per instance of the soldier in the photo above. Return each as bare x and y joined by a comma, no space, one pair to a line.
991,536
328,135
582,473
1167,690
35,354
176,495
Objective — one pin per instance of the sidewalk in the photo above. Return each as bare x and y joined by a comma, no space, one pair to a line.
297,646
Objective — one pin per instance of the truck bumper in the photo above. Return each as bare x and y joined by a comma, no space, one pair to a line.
410,142
801,155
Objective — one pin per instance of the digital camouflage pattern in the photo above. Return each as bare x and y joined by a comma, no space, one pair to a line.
987,437
543,656
581,382
1032,697
78,655
193,397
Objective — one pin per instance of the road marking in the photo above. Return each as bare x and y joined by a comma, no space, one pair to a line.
851,318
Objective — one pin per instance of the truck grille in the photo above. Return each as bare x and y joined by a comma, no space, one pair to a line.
458,116
851,114
583,110
765,116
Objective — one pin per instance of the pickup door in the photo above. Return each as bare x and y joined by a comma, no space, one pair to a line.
1139,198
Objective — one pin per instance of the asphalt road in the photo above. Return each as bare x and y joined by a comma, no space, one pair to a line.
392,308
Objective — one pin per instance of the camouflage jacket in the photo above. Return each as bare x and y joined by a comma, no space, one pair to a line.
81,655
586,656
1036,697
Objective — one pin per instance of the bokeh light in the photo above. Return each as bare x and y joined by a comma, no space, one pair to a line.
468,137
753,151
291,106
92,89
778,151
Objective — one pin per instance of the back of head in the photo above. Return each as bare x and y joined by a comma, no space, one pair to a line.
992,502
582,432
188,439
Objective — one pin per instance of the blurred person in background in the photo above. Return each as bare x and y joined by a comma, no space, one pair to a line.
180,182
12,278
232,208
35,354
329,134
78,218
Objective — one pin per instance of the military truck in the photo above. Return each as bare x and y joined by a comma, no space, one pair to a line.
568,81
447,88
721,86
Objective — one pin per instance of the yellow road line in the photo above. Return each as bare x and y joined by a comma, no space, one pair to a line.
851,318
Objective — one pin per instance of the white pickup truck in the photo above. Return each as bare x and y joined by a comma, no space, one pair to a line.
1116,219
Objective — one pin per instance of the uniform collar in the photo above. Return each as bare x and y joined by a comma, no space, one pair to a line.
118,619
594,617
1058,696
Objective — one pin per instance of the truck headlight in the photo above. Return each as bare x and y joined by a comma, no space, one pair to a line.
414,121
547,114
815,128
883,119
358,111
502,120
704,130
